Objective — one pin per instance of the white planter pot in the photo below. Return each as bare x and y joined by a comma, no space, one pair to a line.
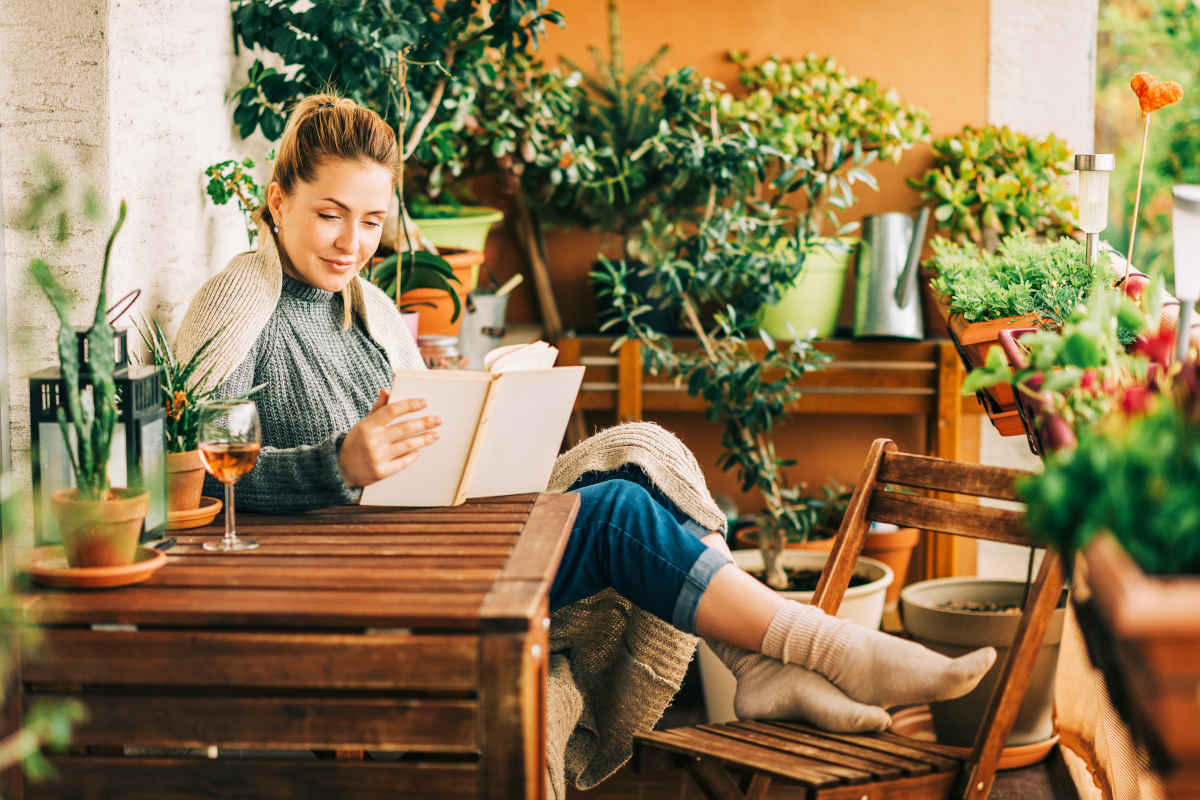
954,633
861,604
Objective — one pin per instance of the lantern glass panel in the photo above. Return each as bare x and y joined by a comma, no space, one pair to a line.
1186,233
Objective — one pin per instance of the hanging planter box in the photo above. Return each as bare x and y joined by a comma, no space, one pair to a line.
1143,632
973,340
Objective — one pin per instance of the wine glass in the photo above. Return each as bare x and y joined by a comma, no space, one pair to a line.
230,437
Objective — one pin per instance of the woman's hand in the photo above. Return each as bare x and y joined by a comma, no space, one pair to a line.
379,446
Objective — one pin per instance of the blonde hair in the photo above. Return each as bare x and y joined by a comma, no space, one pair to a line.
322,127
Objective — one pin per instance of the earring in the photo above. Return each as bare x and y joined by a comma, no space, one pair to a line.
275,227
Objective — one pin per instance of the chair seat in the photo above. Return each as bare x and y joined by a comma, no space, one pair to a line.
829,766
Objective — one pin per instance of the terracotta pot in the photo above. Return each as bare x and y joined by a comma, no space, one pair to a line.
100,533
747,538
974,340
437,308
185,480
893,548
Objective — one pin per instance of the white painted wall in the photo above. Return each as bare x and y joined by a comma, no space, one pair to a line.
1041,79
132,96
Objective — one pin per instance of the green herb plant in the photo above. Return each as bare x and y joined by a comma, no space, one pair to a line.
1023,276
988,183
184,392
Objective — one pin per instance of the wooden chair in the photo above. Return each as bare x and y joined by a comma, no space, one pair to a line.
821,766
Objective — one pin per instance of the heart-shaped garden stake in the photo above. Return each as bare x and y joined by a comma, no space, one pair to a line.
1152,94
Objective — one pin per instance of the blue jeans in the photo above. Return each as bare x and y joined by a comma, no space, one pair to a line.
630,536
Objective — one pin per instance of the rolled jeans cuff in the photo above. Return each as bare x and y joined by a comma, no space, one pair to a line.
694,584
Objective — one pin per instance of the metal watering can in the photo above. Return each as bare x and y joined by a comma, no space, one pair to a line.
887,301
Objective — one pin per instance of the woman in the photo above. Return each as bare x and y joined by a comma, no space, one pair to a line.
295,315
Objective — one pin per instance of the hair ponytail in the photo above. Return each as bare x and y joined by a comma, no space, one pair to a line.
322,127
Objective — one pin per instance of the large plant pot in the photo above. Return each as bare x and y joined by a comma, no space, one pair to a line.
185,480
862,604
1143,632
956,632
893,548
813,302
436,308
467,229
100,533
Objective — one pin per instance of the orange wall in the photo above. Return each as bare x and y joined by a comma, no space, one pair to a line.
933,52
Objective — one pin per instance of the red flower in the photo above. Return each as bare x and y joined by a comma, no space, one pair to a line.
1157,346
1135,400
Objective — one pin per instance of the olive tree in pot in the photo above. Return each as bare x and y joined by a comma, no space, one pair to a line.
731,256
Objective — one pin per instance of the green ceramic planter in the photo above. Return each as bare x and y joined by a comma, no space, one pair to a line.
466,231
814,301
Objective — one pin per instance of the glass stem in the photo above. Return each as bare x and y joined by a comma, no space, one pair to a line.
230,533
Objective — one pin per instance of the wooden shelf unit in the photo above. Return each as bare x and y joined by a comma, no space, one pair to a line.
865,377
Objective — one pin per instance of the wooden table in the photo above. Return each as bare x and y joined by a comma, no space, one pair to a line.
414,632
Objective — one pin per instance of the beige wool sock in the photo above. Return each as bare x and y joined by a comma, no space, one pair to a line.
869,666
770,689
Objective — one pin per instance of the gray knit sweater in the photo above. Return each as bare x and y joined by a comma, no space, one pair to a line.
320,381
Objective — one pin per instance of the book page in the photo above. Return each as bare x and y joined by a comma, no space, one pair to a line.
521,435
456,396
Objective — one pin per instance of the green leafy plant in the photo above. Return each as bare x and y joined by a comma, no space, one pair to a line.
90,416
232,180
419,270
1133,476
833,124
184,392
1022,277
988,183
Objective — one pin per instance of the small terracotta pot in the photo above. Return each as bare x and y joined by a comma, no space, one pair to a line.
100,533
185,480
435,321
893,548
747,538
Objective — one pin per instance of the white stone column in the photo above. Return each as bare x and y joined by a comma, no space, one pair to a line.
130,95
1041,80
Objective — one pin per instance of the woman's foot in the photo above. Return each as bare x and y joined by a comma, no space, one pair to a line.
869,666
770,689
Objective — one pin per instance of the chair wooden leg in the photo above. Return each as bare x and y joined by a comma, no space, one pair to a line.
718,784
980,771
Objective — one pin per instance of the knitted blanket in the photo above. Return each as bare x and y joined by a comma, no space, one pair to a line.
613,667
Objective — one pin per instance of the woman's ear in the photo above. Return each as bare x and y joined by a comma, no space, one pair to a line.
275,201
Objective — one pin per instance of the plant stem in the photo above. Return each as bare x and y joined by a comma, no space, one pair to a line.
435,100
1137,199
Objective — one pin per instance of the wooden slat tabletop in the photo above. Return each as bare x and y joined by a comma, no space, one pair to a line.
483,565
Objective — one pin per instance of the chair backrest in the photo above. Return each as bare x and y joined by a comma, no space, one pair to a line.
873,501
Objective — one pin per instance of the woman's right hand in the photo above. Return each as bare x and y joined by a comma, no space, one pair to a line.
379,445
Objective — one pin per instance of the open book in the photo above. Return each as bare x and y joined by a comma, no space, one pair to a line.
500,433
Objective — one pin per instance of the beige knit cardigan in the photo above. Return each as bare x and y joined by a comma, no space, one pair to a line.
613,667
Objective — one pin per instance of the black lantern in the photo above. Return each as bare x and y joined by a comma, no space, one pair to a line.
137,458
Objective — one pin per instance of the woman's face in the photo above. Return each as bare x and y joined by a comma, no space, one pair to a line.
330,226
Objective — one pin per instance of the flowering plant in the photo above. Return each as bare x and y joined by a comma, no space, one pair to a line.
184,393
